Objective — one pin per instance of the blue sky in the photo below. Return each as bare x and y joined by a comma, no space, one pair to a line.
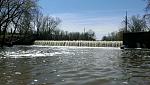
102,16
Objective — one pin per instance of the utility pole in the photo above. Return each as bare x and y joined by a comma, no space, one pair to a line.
126,22
84,30
84,34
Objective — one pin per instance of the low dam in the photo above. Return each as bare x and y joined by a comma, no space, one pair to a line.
80,43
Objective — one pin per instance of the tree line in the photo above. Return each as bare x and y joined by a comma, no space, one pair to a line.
21,21
47,29
16,18
135,23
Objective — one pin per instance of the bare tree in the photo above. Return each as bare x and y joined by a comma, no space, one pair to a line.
137,24
147,14
147,5
9,10
12,12
38,22
46,26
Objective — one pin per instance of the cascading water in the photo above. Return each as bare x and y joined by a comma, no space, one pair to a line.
80,43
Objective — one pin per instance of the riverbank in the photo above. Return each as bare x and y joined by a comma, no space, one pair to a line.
17,40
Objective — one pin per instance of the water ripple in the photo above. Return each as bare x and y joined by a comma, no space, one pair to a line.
38,65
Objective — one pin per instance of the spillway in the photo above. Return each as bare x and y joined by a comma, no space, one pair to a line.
80,43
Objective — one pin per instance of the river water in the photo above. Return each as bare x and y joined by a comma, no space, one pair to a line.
44,65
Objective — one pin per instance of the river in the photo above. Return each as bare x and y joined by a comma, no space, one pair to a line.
45,65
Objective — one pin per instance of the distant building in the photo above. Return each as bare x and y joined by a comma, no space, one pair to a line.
136,40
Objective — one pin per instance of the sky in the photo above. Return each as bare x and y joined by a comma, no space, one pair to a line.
102,16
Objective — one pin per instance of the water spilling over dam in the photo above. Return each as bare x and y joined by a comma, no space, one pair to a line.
80,43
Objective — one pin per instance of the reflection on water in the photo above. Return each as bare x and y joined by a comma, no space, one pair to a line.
42,65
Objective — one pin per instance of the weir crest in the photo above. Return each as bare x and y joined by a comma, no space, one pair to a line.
80,43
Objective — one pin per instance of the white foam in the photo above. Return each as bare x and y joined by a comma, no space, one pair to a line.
63,47
30,55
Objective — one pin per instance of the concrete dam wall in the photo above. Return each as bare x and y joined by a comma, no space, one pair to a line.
80,43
